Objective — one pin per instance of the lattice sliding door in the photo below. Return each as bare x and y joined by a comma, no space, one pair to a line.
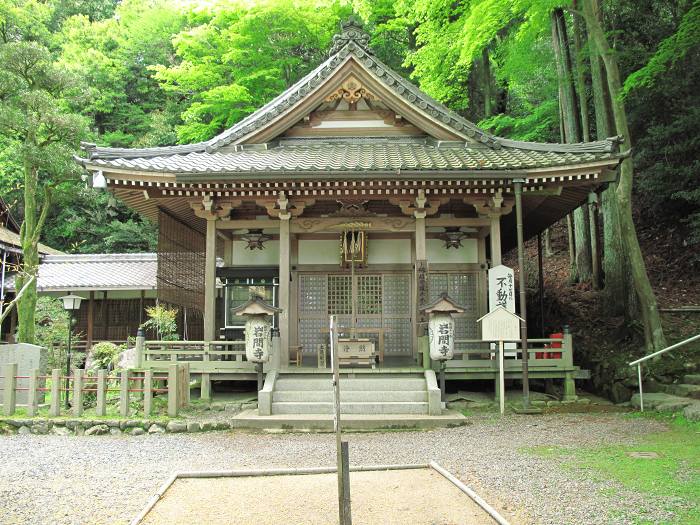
383,301
462,287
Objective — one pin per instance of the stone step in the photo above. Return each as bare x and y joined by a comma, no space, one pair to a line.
351,408
685,390
364,384
350,395
691,379
660,400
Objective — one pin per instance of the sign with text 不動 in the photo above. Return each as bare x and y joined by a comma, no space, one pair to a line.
501,288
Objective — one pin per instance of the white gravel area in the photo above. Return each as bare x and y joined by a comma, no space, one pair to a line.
108,479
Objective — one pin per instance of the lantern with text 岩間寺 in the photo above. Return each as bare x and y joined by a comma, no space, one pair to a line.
258,315
441,327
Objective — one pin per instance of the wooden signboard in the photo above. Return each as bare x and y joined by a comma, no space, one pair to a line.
500,325
501,288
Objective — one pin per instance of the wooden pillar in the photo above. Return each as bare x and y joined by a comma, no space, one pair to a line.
210,281
523,285
284,268
142,306
90,320
495,239
228,252
105,315
421,273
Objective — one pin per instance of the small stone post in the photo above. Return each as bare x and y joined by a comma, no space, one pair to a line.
9,398
55,406
32,394
147,392
124,394
139,347
77,392
172,390
101,406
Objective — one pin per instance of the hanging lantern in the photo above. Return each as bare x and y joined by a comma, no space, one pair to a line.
257,314
256,239
453,237
441,327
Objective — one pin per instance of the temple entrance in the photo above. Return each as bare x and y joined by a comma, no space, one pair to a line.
384,312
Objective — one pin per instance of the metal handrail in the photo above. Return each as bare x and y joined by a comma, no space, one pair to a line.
639,362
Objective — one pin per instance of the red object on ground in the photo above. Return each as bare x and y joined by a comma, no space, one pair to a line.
542,355
556,344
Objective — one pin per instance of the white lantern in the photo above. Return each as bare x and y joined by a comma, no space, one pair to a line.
257,338
71,302
441,330
441,327
257,315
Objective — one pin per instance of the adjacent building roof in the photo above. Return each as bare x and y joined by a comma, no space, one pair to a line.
10,241
114,271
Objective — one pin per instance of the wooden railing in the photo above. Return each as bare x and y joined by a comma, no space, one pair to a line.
543,354
202,356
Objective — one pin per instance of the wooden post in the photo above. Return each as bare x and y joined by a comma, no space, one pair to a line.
284,267
142,306
77,392
32,394
501,379
9,397
147,392
90,335
172,390
344,517
210,281
55,405
205,388
101,406
124,394
185,384
518,185
495,239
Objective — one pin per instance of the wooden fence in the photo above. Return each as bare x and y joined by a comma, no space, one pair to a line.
174,383
201,356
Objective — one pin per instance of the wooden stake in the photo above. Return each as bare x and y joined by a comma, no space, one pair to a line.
501,379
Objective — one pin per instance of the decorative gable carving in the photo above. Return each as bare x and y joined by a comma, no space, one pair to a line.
351,91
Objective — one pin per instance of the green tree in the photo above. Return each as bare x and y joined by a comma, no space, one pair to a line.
37,115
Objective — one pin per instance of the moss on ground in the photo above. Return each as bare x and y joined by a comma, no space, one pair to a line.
675,472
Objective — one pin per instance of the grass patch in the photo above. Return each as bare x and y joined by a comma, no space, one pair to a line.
675,473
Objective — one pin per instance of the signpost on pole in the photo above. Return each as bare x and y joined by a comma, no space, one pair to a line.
343,460
500,325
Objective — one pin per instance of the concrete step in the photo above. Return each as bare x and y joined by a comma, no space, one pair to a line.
685,390
351,408
358,383
691,379
350,395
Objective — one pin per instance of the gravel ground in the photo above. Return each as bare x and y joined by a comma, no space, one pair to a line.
108,479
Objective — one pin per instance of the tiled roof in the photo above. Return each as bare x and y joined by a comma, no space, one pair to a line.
114,271
11,239
351,43
320,155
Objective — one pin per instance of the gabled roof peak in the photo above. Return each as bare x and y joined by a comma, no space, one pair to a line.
351,30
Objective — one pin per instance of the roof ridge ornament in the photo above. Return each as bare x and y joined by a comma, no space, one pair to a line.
351,30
